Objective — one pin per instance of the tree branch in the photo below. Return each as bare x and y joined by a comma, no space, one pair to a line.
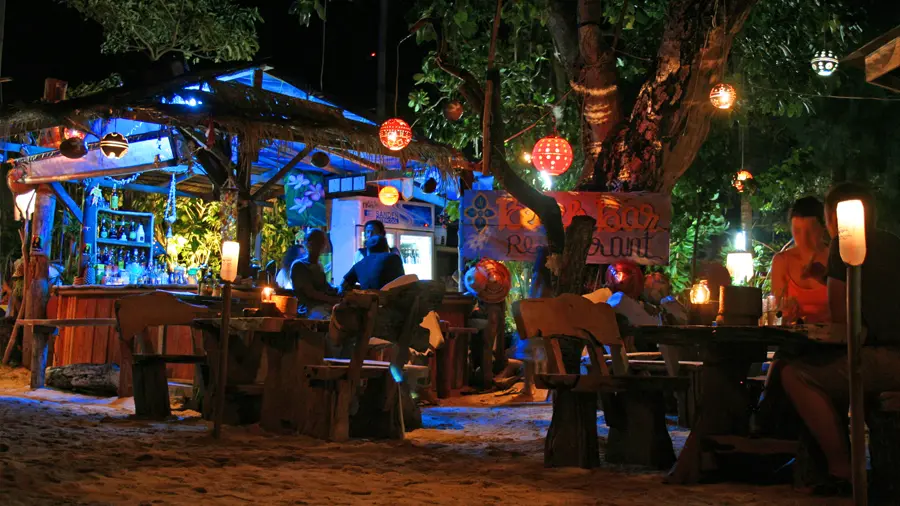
470,89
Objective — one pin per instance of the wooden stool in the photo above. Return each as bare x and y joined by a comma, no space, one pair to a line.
452,360
884,447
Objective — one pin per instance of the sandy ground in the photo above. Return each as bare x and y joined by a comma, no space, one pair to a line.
58,448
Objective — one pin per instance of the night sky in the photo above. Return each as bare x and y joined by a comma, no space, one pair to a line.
45,39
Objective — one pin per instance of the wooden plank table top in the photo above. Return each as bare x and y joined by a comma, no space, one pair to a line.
265,324
768,335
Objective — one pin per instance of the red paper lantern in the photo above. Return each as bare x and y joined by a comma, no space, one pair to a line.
453,111
625,277
395,134
552,155
489,280
388,195
722,96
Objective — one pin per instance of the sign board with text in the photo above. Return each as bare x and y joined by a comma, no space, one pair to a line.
630,226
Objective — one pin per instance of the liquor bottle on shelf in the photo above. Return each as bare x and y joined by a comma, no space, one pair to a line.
132,231
140,233
123,234
104,231
120,259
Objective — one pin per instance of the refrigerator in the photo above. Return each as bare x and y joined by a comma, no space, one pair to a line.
409,226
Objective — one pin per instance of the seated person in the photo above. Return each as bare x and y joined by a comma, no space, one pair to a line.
372,228
818,384
283,277
314,295
799,282
798,273
378,268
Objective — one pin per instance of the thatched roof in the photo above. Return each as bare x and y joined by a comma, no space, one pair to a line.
238,109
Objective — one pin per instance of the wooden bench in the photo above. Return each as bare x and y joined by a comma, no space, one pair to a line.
144,374
633,404
40,356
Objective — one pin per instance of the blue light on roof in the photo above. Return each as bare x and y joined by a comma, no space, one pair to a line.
179,100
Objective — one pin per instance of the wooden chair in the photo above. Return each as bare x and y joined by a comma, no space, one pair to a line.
144,373
633,404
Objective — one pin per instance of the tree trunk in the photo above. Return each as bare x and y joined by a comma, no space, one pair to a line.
38,288
671,116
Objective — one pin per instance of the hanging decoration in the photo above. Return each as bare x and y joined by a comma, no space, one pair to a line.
407,188
114,145
395,134
552,155
453,111
73,147
723,96
430,185
388,195
824,63
96,195
741,180
625,277
489,280
320,159
229,210
170,215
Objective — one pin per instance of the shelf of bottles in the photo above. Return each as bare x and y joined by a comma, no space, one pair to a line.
122,251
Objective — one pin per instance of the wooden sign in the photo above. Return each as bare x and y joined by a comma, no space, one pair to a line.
630,226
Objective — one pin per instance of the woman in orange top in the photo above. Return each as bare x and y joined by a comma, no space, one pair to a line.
798,273
799,282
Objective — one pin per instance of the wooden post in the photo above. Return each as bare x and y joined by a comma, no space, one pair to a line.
224,336
857,410
38,288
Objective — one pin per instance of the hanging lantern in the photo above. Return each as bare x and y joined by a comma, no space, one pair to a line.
388,195
71,133
740,180
824,63
453,111
72,147
320,159
395,134
700,292
489,280
626,277
430,186
552,155
114,145
722,96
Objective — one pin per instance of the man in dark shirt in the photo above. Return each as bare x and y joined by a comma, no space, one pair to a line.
819,384
377,269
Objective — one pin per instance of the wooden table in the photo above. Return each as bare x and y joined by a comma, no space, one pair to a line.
727,353
248,339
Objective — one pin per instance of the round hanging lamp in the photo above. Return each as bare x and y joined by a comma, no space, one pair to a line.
740,180
114,145
72,147
430,185
395,134
722,96
320,159
552,155
388,195
824,63
453,111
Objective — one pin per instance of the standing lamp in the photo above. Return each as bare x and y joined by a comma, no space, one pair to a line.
851,217
230,252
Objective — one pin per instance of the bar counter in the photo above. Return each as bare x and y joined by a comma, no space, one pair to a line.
100,345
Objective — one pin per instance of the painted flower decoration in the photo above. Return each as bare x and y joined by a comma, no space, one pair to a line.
297,181
301,204
315,192
480,212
